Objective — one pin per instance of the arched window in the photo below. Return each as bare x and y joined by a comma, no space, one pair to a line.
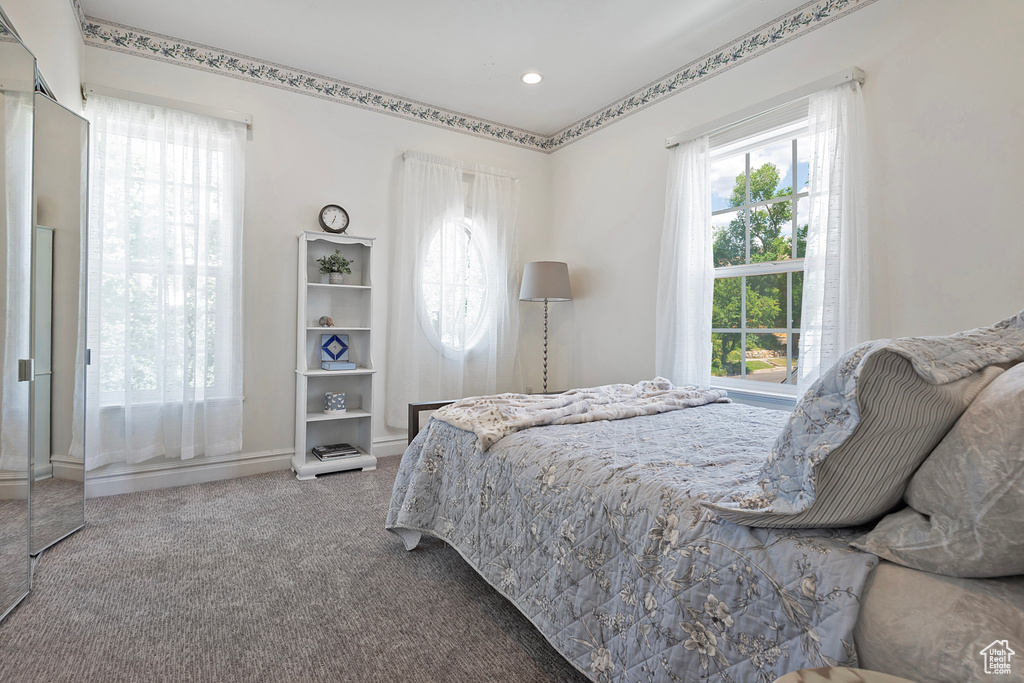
454,301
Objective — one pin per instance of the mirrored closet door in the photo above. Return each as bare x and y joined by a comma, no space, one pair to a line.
43,213
60,169
17,84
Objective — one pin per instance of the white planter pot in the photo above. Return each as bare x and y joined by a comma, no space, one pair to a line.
334,278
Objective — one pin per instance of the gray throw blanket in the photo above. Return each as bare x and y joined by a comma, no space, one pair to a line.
493,417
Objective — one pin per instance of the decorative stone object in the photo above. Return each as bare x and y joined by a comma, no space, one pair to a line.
326,321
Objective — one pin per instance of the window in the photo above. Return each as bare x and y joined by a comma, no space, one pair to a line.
453,298
759,223
164,312
162,273
454,315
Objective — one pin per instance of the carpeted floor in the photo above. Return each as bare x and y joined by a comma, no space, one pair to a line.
264,578
56,510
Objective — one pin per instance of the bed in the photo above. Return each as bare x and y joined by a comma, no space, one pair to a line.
646,549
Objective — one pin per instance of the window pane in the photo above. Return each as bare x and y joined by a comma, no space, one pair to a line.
143,291
802,219
453,286
794,366
803,163
766,358
725,354
143,331
143,369
798,298
771,171
728,182
729,232
725,312
766,300
112,350
771,230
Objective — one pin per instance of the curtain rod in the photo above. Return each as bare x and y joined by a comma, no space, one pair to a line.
142,98
845,76
487,170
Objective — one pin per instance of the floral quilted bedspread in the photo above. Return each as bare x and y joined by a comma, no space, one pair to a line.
596,533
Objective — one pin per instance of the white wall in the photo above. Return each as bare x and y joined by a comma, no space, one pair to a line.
306,153
943,115
944,111
49,28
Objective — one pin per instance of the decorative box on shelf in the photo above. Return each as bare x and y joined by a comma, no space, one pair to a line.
333,366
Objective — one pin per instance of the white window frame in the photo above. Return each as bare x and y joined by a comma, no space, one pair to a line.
748,143
769,395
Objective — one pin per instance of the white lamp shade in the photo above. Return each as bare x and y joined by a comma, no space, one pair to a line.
545,280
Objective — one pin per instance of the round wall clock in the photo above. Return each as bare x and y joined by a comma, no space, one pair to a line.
333,218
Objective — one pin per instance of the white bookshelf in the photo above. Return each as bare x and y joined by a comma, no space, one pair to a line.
350,306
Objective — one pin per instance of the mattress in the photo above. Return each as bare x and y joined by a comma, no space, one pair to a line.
932,628
597,533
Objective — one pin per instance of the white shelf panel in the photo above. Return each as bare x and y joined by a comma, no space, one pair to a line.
337,329
310,465
336,373
327,284
351,414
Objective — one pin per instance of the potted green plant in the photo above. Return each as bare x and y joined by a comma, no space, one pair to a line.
334,266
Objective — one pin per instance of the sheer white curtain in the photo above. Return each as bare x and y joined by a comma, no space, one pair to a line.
835,268
686,274
164,305
17,109
454,318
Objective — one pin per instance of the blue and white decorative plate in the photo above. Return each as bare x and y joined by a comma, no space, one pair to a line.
333,347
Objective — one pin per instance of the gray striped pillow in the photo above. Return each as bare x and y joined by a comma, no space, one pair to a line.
902,418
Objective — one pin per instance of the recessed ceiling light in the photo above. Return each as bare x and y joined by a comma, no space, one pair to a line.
532,78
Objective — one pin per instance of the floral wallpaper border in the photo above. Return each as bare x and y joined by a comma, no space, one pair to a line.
129,40
780,31
126,39
76,7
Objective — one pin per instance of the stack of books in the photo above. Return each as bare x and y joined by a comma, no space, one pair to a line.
337,365
335,451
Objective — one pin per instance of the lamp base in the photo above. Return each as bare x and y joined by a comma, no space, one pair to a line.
545,346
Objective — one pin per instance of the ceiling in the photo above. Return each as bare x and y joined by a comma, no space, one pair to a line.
466,55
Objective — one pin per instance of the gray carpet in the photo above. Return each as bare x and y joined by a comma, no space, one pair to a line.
13,550
56,510
264,578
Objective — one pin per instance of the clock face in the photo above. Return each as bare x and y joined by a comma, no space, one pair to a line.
333,218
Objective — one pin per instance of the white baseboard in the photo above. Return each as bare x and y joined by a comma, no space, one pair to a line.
114,479
13,485
383,448
40,472
67,467
145,476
